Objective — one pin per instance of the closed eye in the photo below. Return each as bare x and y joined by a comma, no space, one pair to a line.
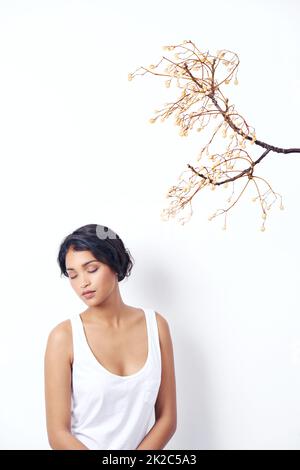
88,272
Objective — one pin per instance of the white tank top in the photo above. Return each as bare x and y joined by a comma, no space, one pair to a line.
110,411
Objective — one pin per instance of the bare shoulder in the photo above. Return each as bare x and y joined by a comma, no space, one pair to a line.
161,319
166,400
163,327
61,332
60,340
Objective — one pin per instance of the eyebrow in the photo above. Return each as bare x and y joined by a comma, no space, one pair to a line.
84,264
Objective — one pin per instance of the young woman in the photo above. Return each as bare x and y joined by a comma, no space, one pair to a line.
109,371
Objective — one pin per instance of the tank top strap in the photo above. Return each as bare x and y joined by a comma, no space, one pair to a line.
76,327
79,347
153,335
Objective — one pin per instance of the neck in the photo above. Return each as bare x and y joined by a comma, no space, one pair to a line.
109,312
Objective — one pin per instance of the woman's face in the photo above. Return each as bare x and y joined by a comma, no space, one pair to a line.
87,273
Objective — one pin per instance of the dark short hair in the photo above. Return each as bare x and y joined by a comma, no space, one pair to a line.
104,243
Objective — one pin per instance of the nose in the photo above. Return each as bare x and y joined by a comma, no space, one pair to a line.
84,283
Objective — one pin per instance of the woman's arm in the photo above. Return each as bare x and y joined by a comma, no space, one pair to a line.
165,406
57,368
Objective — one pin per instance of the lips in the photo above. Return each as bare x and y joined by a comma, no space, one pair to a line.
88,292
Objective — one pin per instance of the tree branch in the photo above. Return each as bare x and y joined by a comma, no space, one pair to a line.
200,76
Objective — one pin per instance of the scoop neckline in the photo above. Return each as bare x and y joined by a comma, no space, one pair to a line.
112,374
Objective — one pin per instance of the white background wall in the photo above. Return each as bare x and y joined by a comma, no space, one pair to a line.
76,148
